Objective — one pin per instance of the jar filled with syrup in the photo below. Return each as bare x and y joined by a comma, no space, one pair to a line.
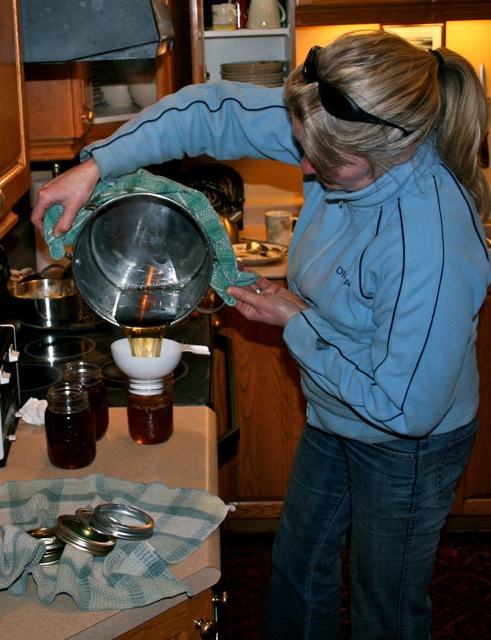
89,375
70,430
150,408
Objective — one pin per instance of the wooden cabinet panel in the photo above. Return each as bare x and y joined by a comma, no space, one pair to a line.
176,624
271,412
474,490
323,12
59,109
14,169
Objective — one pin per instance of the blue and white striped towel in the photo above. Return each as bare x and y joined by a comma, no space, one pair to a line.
136,573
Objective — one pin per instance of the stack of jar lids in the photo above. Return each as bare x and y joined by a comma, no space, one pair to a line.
54,546
94,531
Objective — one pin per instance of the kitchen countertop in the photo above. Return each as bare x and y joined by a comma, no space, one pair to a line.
273,271
188,459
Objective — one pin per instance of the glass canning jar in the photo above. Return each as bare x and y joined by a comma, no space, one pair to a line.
89,375
149,405
69,423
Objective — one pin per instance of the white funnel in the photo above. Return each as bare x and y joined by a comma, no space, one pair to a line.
138,368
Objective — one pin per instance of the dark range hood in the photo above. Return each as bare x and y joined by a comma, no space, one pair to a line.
71,30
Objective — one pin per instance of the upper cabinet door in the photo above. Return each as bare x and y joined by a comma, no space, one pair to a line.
324,12
59,109
14,168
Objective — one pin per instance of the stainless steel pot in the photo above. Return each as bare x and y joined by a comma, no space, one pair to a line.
46,303
141,259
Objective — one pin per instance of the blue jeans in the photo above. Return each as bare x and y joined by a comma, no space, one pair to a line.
395,496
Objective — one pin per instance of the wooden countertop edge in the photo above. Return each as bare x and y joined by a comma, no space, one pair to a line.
122,621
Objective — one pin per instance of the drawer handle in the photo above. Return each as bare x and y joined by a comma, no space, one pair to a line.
88,116
2,200
207,628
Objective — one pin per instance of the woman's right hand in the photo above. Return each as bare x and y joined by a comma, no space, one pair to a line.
71,189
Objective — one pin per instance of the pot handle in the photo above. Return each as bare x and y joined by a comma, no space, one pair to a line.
209,297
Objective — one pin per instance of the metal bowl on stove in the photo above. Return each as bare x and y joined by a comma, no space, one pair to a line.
46,302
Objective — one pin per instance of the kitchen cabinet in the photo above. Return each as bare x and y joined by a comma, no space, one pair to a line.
60,102
473,499
310,13
106,120
211,48
59,109
182,622
14,167
271,414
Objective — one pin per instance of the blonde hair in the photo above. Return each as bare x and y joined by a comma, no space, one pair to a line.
429,95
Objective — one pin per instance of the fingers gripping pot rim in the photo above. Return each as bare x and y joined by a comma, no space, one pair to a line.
142,259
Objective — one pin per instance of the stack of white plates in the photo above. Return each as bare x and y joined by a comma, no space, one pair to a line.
268,73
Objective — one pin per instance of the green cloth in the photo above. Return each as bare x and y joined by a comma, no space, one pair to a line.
225,272
135,573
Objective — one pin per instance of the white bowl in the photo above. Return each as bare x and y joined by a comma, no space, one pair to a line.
146,368
143,93
116,95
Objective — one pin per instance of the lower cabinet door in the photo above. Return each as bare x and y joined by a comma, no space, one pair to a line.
182,622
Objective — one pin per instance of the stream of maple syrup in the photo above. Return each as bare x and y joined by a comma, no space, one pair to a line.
146,342
145,339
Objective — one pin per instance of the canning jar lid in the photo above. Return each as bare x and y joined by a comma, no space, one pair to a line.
74,532
118,520
54,546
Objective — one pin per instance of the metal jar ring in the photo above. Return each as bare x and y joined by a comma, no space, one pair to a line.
108,518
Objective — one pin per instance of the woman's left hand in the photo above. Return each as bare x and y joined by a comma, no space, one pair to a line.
267,302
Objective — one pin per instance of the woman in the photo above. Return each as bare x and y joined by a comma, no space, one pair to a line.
387,271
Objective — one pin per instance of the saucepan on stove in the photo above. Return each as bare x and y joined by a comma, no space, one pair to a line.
46,302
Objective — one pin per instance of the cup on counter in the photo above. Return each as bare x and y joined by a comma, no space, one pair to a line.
224,16
279,226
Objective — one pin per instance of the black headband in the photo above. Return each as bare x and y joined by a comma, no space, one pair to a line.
440,59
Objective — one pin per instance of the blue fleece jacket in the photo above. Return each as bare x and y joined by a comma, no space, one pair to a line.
395,274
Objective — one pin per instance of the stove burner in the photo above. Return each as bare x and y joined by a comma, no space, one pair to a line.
36,378
54,348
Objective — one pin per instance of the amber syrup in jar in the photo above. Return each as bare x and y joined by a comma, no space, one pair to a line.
70,430
89,375
150,409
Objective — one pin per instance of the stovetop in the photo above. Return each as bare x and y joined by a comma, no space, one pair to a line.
43,352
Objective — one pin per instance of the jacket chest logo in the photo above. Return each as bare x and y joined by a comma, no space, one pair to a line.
342,273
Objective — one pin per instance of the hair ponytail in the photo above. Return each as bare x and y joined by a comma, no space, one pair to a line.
462,125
